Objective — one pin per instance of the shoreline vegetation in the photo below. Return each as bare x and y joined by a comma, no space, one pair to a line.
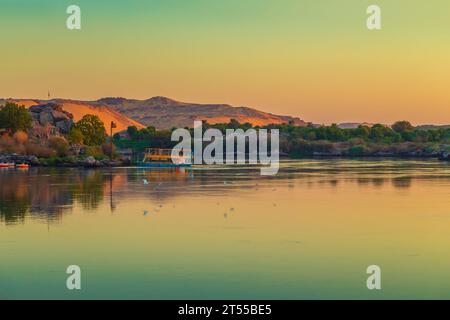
46,135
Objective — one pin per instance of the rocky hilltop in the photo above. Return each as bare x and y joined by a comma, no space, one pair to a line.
76,109
160,112
50,119
165,113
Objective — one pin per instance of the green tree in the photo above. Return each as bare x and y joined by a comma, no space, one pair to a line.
76,139
377,132
14,118
132,132
234,124
93,130
334,133
362,132
76,136
402,126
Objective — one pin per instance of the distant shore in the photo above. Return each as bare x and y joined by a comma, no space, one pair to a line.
91,162
440,156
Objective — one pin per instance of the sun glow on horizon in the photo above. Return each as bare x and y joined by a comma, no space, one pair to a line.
311,59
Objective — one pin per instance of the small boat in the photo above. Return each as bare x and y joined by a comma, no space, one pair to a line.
162,158
22,166
6,165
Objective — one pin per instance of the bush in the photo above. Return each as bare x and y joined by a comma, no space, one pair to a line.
106,148
60,145
323,146
39,151
300,147
356,142
69,159
76,136
49,161
7,144
94,151
358,150
404,148
20,137
54,161
432,149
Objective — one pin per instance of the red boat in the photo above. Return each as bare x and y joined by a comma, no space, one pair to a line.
6,165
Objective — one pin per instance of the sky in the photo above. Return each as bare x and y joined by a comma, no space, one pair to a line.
314,59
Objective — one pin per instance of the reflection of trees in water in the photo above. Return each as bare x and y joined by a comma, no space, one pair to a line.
47,193
398,182
14,203
13,213
402,182
88,188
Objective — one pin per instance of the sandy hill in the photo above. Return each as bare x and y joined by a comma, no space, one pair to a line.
165,113
161,112
22,102
78,109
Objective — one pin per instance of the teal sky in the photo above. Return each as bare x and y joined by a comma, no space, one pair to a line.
310,58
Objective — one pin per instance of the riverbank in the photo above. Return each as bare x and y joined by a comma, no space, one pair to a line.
318,155
91,162
88,162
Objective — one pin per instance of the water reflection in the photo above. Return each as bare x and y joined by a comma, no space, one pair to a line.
49,193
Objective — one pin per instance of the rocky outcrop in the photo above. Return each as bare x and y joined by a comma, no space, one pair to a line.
52,116
89,162
16,158
92,162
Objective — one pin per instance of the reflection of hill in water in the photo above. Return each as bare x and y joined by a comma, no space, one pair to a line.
49,193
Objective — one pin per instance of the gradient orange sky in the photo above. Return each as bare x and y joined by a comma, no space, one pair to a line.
309,58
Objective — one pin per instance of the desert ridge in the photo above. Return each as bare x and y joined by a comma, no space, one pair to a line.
79,109
160,112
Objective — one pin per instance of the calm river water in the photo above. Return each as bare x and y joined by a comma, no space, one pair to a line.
227,232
